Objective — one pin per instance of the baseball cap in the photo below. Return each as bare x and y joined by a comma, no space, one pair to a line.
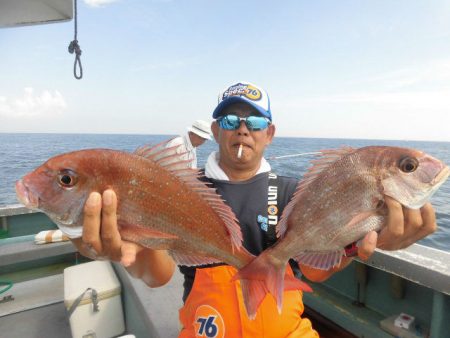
244,92
201,128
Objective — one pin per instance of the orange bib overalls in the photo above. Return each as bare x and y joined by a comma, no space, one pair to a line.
215,309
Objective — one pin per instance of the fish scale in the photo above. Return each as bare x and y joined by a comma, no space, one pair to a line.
188,214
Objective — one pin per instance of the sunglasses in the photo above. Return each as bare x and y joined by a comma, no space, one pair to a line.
233,122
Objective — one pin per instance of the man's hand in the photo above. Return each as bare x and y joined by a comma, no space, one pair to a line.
101,238
404,227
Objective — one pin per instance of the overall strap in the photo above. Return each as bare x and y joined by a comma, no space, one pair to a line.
273,209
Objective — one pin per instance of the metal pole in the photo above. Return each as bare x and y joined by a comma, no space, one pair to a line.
295,155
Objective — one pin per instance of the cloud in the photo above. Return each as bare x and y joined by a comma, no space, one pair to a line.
436,99
412,115
366,106
98,3
435,72
421,89
31,104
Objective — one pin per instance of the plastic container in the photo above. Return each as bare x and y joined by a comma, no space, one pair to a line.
92,298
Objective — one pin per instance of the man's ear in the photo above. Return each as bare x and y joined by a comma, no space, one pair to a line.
270,133
215,130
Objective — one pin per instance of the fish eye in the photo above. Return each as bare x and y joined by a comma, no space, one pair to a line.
67,178
408,164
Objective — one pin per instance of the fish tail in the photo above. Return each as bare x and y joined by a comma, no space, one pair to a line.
253,293
266,274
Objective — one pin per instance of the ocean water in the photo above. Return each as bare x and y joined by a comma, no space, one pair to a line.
21,153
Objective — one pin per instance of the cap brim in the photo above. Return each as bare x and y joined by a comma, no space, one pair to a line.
200,133
236,99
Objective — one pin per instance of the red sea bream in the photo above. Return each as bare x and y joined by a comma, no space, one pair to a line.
339,201
161,204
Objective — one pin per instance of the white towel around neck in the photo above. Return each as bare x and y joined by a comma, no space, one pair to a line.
212,169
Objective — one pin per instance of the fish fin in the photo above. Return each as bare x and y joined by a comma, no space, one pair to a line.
265,275
292,283
369,220
320,164
191,260
224,211
357,221
360,217
321,260
253,293
171,160
159,151
142,231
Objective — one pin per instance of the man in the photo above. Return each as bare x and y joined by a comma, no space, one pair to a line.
196,135
243,129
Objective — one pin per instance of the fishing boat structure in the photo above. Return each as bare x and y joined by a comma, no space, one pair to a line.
15,13
362,301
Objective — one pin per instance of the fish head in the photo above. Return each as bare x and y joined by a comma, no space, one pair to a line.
60,188
412,176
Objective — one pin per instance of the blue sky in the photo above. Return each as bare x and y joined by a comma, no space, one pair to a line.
345,69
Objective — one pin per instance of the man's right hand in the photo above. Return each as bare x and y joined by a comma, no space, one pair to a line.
101,238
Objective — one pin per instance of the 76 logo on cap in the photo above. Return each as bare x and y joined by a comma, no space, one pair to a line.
246,90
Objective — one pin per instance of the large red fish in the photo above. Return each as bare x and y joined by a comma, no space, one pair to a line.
338,202
161,204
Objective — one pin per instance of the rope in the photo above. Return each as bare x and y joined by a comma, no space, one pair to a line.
8,286
80,297
75,48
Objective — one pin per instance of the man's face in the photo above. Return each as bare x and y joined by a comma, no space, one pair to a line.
253,142
196,140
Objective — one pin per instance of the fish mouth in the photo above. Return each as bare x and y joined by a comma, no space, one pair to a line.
25,196
442,176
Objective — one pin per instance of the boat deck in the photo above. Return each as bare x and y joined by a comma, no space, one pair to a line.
37,309
47,321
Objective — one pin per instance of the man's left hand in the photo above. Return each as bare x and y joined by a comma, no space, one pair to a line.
404,227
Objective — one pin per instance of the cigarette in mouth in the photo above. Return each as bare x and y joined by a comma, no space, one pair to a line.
239,154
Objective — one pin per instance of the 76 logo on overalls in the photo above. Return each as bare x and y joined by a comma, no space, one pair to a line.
208,323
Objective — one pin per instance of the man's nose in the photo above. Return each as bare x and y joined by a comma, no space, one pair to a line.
243,130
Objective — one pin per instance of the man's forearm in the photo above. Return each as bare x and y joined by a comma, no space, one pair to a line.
317,275
154,267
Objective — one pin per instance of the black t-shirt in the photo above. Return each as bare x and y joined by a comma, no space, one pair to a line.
249,202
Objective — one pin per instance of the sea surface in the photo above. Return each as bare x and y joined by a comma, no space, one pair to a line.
21,153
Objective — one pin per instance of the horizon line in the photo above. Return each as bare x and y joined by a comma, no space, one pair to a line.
298,137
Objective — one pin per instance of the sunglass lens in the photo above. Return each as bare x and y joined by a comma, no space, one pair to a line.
229,122
256,123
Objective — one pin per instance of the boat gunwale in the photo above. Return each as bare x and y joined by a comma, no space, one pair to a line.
424,265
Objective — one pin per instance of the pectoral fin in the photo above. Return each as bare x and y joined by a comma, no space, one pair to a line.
320,260
191,259
137,230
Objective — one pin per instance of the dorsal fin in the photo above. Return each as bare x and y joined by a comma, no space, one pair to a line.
168,158
326,158
163,151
